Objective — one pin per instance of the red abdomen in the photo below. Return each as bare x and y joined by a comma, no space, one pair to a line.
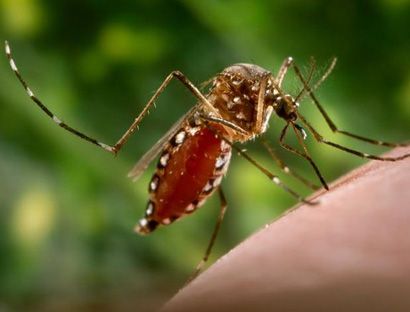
189,170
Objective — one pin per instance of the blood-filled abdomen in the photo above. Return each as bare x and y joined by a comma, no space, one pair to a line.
189,170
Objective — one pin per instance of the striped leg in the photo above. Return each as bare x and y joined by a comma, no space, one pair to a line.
115,148
274,178
224,206
329,122
282,165
304,154
320,139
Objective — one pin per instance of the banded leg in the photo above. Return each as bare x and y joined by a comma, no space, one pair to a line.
329,122
304,154
320,139
224,206
282,165
115,148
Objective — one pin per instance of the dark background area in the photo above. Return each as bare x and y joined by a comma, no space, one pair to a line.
67,209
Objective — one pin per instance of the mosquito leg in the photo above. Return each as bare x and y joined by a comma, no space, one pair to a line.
283,70
112,149
320,139
326,74
304,154
215,232
186,82
275,179
329,122
309,78
261,103
285,168
272,177
36,100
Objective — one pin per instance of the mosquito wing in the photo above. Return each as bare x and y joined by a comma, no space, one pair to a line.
149,156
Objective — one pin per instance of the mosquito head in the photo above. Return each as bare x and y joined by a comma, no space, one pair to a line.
285,107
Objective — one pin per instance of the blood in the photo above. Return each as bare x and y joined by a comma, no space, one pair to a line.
186,174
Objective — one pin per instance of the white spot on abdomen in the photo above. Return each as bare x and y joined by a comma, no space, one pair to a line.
150,209
220,161
217,181
164,160
154,183
207,187
180,137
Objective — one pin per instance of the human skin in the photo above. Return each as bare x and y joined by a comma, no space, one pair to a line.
351,252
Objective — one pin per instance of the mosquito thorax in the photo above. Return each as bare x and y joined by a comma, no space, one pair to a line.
235,93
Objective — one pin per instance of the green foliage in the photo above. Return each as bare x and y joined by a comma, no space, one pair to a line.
67,210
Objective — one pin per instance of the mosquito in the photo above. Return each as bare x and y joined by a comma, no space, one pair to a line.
195,153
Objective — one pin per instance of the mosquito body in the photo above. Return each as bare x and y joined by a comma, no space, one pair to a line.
193,162
194,154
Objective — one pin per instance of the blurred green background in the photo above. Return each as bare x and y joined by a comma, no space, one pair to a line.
67,209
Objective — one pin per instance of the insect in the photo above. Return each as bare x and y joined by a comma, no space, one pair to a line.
194,154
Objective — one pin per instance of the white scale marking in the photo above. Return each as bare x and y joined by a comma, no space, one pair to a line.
190,208
224,145
236,82
143,222
237,100
276,180
166,221
8,52
104,146
150,209
56,120
13,65
220,161
154,183
193,131
207,187
217,181
29,92
164,160
180,137
241,116
304,134
201,202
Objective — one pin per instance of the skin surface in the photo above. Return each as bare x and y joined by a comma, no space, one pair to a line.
349,253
